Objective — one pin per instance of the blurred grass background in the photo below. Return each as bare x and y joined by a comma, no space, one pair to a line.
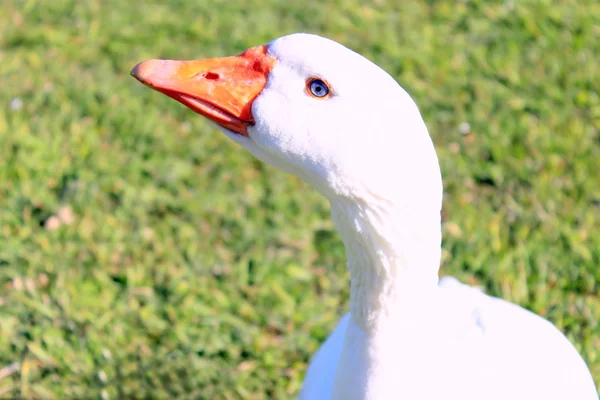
143,255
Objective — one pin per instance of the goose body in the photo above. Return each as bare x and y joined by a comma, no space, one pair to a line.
484,348
315,109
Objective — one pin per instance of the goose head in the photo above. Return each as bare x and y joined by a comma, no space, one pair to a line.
316,109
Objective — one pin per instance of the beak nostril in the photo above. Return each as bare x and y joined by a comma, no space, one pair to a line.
211,76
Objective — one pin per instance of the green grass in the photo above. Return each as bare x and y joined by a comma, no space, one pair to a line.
190,268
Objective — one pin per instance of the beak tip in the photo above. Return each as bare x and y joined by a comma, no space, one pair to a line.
137,71
146,69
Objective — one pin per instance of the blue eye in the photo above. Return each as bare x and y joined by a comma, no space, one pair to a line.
318,88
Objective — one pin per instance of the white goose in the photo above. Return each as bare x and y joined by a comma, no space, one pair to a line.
313,108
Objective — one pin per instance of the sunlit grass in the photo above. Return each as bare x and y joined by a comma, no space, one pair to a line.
143,254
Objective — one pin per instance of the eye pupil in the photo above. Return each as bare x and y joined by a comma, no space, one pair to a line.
318,88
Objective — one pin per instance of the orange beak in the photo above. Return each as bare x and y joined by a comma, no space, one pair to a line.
221,89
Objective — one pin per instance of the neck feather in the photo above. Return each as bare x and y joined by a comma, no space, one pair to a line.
393,252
